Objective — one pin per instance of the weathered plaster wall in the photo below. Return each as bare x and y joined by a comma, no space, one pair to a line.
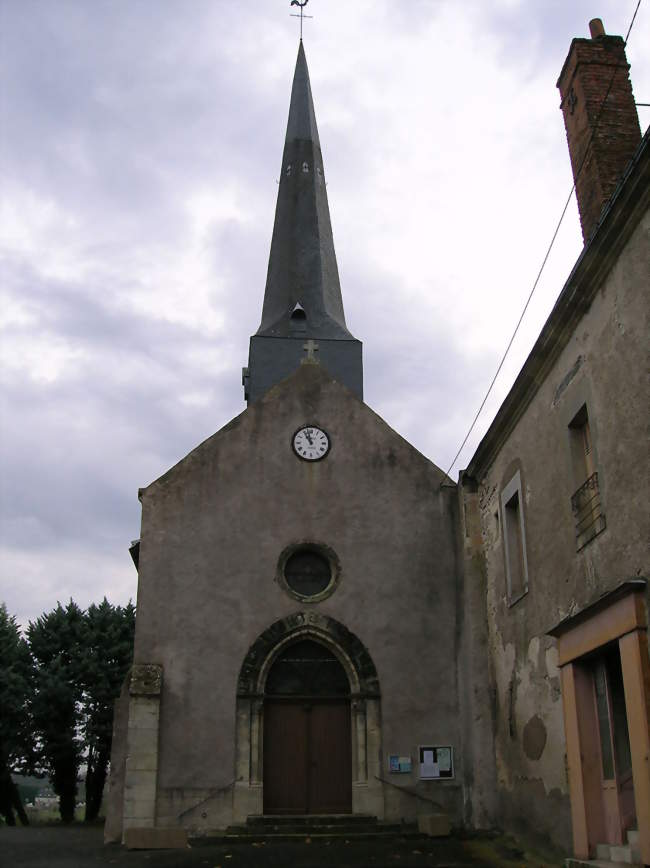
212,531
603,365
474,668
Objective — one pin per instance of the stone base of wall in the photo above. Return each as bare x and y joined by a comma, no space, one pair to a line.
138,838
199,811
537,817
434,825
114,804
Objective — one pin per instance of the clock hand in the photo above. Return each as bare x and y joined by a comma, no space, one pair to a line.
308,436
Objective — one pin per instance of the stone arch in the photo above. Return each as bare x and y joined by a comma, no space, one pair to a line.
345,645
367,793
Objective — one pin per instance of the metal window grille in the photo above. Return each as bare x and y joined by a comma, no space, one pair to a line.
587,511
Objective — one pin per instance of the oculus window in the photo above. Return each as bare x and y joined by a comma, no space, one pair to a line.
308,571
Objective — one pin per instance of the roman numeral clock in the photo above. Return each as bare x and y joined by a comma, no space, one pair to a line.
310,443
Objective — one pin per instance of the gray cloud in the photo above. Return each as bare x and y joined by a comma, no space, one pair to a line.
140,146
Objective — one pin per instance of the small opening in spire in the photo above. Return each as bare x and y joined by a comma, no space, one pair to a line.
298,320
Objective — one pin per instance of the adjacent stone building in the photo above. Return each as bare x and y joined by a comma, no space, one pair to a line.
328,624
559,520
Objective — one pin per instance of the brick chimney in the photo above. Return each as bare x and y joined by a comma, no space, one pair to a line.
602,142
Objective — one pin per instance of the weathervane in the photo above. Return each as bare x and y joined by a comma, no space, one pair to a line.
302,14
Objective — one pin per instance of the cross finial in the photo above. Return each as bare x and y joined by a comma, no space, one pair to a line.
311,347
302,14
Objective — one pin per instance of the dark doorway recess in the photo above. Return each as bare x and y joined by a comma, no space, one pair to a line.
307,738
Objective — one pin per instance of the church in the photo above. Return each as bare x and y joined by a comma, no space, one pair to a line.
328,625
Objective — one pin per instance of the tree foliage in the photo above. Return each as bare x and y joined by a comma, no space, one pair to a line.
56,644
16,747
58,688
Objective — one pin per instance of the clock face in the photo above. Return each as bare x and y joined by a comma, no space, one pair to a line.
311,443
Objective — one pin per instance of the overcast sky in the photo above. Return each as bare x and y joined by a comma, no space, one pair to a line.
140,144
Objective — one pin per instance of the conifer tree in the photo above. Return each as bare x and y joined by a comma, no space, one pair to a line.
56,642
15,728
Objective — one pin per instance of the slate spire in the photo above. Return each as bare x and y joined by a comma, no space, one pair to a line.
303,308
302,264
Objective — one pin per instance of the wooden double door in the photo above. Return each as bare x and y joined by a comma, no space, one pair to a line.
307,756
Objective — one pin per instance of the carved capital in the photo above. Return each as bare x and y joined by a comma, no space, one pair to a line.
146,679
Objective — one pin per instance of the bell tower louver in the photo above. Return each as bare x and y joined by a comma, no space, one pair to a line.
302,316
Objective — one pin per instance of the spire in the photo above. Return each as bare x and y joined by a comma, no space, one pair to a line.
303,310
302,264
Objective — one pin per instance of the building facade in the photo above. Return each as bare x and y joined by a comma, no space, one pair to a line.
561,526
328,624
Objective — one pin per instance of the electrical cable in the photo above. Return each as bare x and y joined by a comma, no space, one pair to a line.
548,251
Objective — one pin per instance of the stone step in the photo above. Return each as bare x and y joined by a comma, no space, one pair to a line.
634,843
626,854
572,862
602,852
338,829
286,827
256,820
357,832
320,835
622,853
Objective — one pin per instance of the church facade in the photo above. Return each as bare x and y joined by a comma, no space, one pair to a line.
327,624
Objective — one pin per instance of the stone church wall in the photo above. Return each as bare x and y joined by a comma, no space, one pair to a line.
213,530
602,367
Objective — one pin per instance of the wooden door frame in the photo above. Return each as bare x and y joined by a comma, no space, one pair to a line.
619,616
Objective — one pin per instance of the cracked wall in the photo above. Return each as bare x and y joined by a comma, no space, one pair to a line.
601,366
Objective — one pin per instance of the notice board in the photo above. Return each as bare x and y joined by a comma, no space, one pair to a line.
436,762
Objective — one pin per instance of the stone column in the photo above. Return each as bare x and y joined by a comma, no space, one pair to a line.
370,794
257,710
247,797
359,730
243,755
141,768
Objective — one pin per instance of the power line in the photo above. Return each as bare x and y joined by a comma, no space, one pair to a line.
548,251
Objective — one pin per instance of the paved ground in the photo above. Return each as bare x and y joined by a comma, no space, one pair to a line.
81,847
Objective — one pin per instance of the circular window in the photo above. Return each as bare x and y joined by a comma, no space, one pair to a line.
308,571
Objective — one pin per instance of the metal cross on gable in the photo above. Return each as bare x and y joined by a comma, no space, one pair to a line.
302,14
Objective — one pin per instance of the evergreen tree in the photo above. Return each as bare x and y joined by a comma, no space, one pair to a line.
15,729
56,642
108,651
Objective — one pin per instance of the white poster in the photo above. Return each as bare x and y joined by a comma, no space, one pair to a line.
436,762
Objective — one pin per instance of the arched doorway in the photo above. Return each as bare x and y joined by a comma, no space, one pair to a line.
262,687
307,737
